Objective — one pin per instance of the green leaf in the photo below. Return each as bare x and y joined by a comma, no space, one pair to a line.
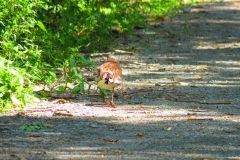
52,73
41,25
106,11
44,94
72,62
31,127
76,89
75,72
61,88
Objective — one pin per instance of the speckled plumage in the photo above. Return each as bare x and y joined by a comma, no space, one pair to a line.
109,76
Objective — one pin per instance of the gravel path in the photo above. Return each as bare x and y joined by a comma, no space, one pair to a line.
180,98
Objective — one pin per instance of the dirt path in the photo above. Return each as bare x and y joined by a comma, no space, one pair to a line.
180,99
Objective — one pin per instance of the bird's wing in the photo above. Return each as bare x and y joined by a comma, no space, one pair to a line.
111,72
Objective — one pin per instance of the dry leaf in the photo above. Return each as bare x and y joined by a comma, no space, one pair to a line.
139,134
61,101
122,89
48,125
139,88
202,68
184,83
169,128
227,102
112,140
139,102
168,97
200,79
116,151
172,86
125,52
159,17
167,18
34,135
127,96
191,118
194,156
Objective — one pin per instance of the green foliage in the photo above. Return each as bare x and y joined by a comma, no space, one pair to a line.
14,87
32,127
39,38
163,7
17,23
71,74
82,24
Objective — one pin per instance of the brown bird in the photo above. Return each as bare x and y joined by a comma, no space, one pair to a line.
110,76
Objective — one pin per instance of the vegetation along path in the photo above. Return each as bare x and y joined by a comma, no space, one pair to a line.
179,99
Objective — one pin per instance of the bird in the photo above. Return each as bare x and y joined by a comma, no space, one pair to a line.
109,77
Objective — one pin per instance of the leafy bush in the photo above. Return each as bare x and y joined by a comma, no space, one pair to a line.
163,7
14,87
84,24
38,37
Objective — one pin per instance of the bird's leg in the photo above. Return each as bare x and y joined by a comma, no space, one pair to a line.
103,97
112,103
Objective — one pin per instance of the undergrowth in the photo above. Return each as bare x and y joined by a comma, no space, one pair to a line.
42,41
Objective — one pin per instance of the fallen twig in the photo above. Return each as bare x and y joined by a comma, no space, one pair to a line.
200,102
39,109
61,114
193,110
150,90
193,118
63,96
124,52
